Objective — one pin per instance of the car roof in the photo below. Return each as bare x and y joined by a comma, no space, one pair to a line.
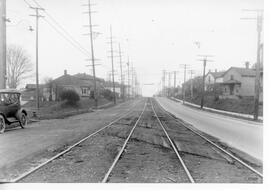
9,91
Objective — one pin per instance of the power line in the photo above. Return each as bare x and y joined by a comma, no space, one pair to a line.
68,40
38,16
27,3
259,20
72,40
111,43
205,60
3,70
184,84
92,51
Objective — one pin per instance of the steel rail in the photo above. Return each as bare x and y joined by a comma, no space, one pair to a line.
105,179
173,146
25,174
215,145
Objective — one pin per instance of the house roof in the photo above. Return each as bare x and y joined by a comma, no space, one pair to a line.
216,74
84,76
244,71
71,80
81,80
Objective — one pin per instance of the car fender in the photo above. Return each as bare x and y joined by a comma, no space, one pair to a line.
19,112
4,117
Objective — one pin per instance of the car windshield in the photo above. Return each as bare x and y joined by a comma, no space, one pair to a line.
8,98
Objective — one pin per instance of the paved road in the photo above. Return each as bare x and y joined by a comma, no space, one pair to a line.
246,136
24,145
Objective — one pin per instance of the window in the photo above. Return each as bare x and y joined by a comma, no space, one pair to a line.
231,77
8,98
84,91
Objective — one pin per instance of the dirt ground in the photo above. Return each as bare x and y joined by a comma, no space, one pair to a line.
26,148
147,158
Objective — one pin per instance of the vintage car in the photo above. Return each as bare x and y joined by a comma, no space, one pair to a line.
10,109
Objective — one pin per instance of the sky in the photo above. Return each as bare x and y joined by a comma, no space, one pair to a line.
156,35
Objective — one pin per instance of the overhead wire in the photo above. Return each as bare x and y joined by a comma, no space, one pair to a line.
63,30
26,2
72,43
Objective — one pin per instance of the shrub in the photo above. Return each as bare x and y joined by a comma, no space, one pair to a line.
70,96
107,94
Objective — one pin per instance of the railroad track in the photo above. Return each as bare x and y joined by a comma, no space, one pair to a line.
106,177
158,112
211,143
174,147
117,158
39,166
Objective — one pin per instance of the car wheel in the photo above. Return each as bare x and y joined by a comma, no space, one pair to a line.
2,124
23,120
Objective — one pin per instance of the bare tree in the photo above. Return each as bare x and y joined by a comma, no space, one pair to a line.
19,66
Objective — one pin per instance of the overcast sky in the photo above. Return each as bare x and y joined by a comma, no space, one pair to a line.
156,34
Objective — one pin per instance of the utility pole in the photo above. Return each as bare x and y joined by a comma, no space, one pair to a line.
191,83
132,80
205,60
37,15
3,69
175,73
184,84
257,79
174,81
111,42
128,79
92,53
121,73
259,20
169,79
163,82
166,84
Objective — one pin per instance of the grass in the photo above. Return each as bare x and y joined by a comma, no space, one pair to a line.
244,105
54,110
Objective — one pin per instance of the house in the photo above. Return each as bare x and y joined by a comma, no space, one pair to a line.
213,78
240,82
82,83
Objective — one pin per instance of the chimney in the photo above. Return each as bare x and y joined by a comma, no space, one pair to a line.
215,70
247,65
209,70
65,72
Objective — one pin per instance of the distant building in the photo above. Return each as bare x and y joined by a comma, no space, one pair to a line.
240,82
235,82
29,92
212,78
81,83
71,82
